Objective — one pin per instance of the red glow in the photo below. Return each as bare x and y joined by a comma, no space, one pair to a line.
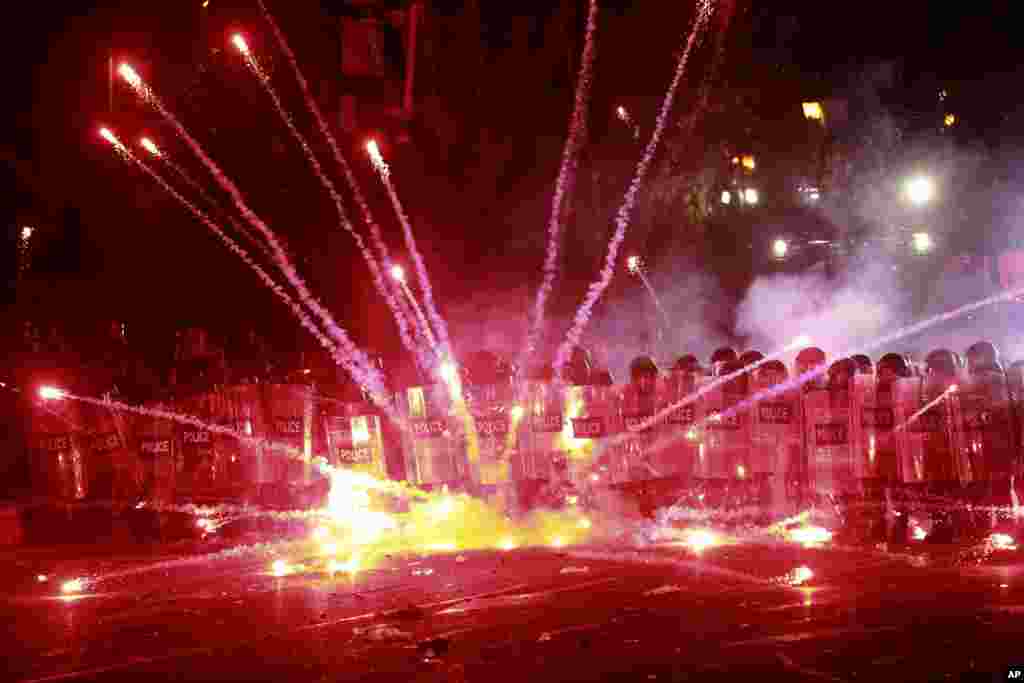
48,393
239,42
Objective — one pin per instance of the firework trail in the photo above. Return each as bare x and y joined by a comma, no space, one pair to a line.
280,257
926,407
563,183
799,342
655,298
158,153
399,275
622,220
410,244
800,380
724,13
360,374
624,116
375,271
184,419
339,158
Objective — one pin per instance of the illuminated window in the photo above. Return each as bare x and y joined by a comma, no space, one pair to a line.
813,111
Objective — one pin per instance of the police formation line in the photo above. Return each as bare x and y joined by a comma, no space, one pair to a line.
740,428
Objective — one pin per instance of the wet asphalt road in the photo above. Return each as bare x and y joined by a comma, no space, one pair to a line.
662,613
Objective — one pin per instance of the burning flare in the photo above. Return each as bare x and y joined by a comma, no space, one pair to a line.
150,147
239,42
130,75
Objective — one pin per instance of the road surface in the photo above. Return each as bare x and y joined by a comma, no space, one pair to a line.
741,611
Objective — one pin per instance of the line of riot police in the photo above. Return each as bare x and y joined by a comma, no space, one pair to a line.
863,440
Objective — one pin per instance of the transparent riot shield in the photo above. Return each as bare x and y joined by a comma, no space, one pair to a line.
992,454
434,444
727,444
776,440
541,436
831,470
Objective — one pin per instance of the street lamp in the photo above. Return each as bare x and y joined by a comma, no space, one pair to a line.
634,264
780,248
813,111
922,242
920,190
398,273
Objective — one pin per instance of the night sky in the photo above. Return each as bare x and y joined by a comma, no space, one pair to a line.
148,260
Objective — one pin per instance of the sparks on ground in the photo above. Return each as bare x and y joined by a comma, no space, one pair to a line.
699,540
810,536
1002,541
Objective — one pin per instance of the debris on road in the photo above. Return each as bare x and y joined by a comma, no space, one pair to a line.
575,570
380,632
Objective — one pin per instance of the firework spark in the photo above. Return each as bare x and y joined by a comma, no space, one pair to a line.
373,150
625,213
359,360
563,184
357,194
375,270
151,147
337,353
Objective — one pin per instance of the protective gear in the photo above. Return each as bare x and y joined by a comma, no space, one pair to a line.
681,421
719,358
290,422
941,362
863,363
540,441
809,359
840,373
832,474
158,454
982,355
578,370
776,441
877,445
750,358
988,427
893,366
641,399
58,451
643,369
435,455
687,363
727,436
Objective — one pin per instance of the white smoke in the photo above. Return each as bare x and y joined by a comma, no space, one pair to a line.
630,324
836,313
